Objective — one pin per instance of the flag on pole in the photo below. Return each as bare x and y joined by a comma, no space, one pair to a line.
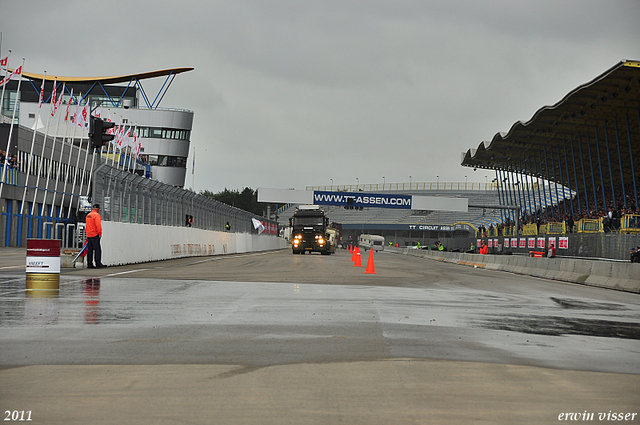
4,61
10,76
83,251
257,224
137,144
41,93
66,117
57,104
98,112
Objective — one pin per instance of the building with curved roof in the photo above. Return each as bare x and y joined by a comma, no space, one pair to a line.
588,142
165,132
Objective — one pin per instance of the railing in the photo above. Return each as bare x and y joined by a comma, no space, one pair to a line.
129,198
590,226
530,229
556,228
378,187
630,224
12,176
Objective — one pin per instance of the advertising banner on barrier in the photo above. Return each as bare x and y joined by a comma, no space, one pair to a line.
563,242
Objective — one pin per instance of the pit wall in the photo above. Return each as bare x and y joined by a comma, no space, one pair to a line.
126,243
622,276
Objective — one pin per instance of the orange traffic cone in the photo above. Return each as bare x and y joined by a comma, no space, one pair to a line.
353,254
371,268
358,263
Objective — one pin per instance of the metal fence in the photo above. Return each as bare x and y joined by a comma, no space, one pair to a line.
126,197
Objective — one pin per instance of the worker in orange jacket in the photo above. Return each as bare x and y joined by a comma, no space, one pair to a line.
93,230
484,249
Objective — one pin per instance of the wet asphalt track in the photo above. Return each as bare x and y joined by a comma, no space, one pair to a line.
277,309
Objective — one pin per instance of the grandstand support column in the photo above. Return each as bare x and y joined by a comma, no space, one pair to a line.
633,172
546,171
566,164
584,177
555,180
499,194
613,189
624,193
538,175
564,204
593,174
529,185
521,187
575,175
546,161
604,198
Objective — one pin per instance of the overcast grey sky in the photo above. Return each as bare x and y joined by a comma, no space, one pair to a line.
293,93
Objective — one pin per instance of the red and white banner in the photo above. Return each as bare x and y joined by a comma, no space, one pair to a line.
563,242
10,76
41,99
4,61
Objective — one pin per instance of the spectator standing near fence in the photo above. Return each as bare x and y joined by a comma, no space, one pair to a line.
93,230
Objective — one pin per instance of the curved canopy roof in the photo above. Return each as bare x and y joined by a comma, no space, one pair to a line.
108,80
560,140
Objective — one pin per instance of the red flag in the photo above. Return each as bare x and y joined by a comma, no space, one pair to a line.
4,61
57,104
41,94
10,76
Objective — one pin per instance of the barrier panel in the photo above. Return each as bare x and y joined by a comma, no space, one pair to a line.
630,224
530,229
556,228
43,264
590,226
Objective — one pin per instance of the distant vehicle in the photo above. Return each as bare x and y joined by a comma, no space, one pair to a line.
374,242
309,227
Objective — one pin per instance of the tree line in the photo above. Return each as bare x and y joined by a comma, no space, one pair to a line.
246,200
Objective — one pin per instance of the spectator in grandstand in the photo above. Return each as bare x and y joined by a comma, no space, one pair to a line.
569,223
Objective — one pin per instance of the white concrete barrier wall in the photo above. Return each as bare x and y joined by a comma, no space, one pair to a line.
623,276
127,243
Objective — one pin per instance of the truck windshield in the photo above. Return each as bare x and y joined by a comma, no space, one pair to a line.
307,221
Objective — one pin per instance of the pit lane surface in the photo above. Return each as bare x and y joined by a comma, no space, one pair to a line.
418,342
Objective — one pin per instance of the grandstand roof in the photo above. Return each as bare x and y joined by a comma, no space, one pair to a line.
108,80
570,130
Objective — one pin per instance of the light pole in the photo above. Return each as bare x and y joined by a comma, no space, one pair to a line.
438,184
331,184
465,182
384,181
357,183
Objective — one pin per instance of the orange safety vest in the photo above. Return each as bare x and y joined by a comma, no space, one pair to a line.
94,224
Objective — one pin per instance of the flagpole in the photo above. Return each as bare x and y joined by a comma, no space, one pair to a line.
84,167
33,140
55,137
73,136
4,85
75,175
64,140
13,118
137,152
44,143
